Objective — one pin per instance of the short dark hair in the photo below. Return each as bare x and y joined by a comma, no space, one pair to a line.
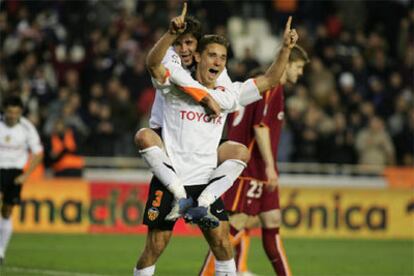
298,53
209,39
193,27
12,101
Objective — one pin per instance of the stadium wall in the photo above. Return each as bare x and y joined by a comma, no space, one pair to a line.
116,206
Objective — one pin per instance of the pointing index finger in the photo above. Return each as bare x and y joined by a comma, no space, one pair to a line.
184,12
288,23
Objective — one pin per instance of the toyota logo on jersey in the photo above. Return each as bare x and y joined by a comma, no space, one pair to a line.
200,117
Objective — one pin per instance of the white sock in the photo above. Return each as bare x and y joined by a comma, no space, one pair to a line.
6,230
147,271
162,168
225,175
225,268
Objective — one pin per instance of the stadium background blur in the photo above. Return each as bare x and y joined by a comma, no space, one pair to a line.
83,63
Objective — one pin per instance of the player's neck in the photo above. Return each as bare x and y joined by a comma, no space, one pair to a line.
11,123
206,83
283,79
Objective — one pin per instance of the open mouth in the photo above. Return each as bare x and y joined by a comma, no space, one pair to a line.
214,72
185,56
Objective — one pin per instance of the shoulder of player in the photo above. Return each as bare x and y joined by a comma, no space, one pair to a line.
171,56
26,124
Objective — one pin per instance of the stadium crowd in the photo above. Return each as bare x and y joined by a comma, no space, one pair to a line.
83,63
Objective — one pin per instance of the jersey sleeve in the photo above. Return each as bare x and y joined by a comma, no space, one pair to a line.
249,92
182,79
226,98
224,80
33,139
155,120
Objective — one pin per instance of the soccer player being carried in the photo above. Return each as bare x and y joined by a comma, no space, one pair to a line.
256,192
190,137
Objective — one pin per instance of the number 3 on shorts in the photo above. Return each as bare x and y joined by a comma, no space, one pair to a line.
158,196
255,189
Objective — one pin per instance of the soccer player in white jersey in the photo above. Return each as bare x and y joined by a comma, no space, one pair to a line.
248,91
196,153
18,136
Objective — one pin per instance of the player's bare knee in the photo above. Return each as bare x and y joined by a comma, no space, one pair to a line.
233,150
6,211
241,152
146,137
271,219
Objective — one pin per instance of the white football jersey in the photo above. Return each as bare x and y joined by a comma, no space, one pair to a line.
16,142
190,136
245,93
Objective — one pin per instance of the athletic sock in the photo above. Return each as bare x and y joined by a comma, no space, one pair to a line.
147,271
210,261
225,268
275,252
6,230
242,251
209,265
161,166
221,180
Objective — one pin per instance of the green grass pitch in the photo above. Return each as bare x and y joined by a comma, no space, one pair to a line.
93,255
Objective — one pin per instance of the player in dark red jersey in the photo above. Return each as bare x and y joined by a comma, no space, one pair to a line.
256,192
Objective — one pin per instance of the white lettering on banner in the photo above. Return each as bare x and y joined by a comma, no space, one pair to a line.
199,117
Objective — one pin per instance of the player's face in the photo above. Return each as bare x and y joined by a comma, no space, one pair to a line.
185,46
211,63
294,70
12,115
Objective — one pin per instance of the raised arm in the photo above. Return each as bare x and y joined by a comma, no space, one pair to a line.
273,74
157,53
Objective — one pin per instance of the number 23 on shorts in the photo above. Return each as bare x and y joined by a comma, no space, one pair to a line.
158,196
255,189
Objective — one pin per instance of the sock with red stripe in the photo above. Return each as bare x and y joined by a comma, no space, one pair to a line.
274,251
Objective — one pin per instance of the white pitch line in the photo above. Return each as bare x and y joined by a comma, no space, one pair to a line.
47,271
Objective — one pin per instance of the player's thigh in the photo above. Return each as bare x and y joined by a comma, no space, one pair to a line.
238,220
157,240
11,193
158,206
270,218
233,150
6,210
253,222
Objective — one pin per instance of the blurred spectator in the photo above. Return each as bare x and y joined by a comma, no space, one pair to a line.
62,151
321,81
126,120
100,142
85,62
374,145
340,143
